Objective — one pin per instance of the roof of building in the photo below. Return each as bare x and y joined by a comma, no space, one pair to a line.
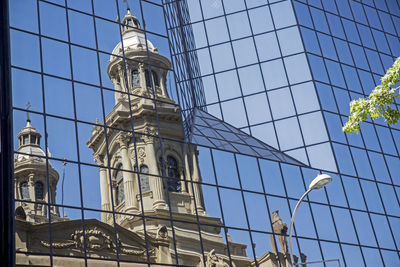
206,130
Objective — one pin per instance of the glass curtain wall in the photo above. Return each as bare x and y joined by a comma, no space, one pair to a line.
285,72
182,133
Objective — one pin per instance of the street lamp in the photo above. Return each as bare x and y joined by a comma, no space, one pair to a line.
320,181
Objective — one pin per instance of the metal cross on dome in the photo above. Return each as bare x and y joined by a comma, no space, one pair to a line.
28,105
127,5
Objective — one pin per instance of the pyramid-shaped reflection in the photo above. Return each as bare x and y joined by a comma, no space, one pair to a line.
206,130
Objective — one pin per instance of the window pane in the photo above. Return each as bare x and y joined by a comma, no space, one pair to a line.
290,41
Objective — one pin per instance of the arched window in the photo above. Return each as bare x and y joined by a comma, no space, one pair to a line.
155,77
24,190
144,178
129,22
39,191
20,213
25,140
120,187
135,78
173,183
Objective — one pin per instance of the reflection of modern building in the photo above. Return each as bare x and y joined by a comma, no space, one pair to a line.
139,175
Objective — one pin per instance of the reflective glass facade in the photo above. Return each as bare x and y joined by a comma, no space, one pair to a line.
290,68
176,128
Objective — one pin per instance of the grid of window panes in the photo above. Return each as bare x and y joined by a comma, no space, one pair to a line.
257,76
285,72
60,51
349,45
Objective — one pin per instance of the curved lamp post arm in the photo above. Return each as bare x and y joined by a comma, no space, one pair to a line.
292,222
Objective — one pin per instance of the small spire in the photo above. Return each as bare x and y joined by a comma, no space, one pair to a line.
127,7
28,105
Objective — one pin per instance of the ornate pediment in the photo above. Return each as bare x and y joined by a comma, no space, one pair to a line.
97,238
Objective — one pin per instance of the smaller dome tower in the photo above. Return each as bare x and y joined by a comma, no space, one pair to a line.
30,180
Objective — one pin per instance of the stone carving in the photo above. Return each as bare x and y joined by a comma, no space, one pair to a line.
99,159
124,139
280,228
214,261
303,258
141,154
141,67
149,134
96,240
136,252
65,244
162,232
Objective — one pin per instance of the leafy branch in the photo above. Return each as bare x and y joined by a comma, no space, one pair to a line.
378,104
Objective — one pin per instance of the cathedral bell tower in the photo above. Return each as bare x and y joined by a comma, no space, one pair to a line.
153,165
30,178
134,96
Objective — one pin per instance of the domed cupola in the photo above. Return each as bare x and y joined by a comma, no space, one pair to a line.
134,75
31,179
132,36
29,135
129,22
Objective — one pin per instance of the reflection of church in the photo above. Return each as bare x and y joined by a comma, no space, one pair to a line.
30,178
132,186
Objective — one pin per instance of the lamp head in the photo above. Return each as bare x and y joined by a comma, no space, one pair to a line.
320,181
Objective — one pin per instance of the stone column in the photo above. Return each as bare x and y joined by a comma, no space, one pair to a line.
114,192
197,187
183,179
53,199
31,187
121,75
142,77
163,86
105,188
156,182
105,193
190,179
46,198
129,178
117,85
